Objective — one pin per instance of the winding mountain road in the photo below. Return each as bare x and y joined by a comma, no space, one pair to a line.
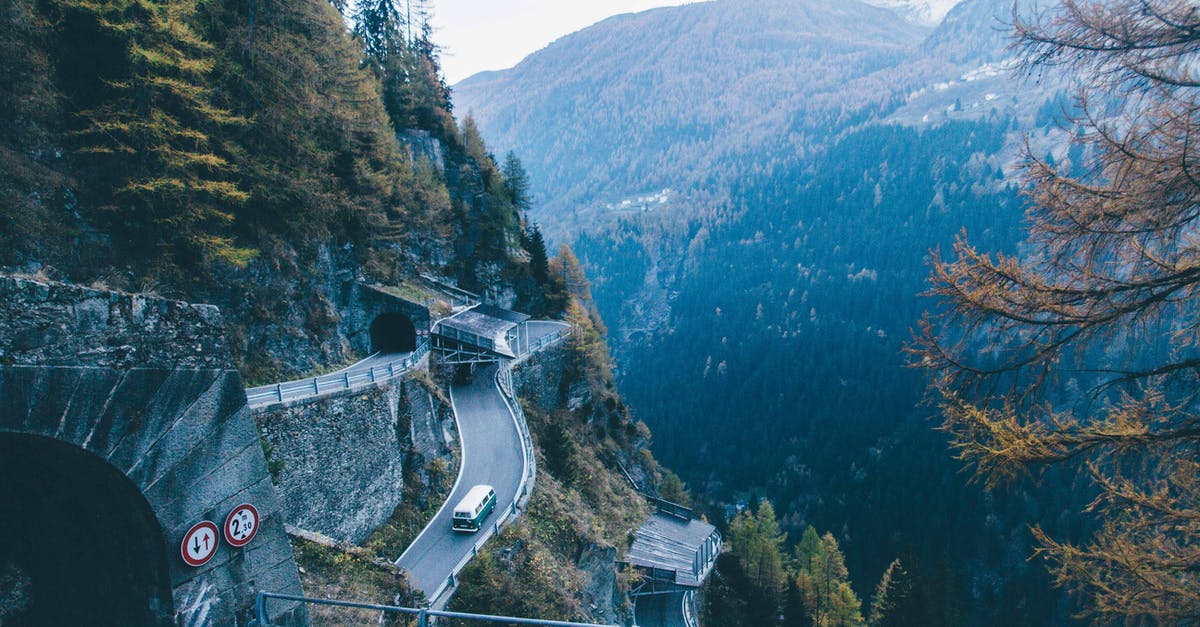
492,453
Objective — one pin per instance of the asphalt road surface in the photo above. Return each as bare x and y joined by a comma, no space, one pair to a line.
492,455
541,328
662,610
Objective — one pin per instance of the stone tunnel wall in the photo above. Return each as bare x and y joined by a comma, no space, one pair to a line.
361,304
148,385
338,461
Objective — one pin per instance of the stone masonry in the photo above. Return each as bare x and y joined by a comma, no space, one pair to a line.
147,385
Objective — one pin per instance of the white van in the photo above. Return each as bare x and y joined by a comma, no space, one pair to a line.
473,508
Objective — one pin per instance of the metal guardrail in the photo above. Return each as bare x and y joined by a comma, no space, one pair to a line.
456,294
671,509
528,477
261,615
524,488
346,379
542,342
688,609
504,380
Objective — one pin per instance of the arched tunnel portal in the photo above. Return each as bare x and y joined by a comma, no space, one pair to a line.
393,333
79,544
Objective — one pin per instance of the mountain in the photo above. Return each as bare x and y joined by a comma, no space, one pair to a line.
755,211
271,164
654,100
928,12
682,98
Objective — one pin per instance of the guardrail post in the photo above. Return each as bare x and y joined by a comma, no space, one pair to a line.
347,376
260,609
423,619
316,386
372,373
279,391
391,369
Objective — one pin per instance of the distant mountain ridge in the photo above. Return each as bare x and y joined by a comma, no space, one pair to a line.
628,104
754,186
928,12
680,98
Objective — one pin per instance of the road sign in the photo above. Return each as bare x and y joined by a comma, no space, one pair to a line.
241,525
199,543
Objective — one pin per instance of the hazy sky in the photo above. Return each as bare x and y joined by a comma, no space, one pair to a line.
482,35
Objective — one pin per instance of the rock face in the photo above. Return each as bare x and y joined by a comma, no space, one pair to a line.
290,320
68,325
601,592
539,378
338,461
141,430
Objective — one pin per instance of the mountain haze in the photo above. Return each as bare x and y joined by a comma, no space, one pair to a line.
638,101
755,207
928,12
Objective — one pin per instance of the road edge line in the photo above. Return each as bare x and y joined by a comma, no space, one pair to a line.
462,464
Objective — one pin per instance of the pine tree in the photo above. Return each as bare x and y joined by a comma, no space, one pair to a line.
380,26
538,263
758,541
892,589
1107,295
163,177
516,181
822,580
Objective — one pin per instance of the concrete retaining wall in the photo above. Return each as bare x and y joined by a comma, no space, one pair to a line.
147,385
338,461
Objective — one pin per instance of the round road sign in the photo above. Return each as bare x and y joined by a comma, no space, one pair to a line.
199,543
241,525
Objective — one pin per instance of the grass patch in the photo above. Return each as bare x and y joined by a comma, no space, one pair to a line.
418,507
350,575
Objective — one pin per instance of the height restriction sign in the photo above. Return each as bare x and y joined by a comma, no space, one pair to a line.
241,525
199,543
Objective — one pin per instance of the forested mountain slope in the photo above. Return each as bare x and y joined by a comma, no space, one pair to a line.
262,157
761,281
669,97
250,156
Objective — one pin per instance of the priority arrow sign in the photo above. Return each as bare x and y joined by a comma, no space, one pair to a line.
199,543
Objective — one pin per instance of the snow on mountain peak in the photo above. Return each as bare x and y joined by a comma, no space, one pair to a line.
927,12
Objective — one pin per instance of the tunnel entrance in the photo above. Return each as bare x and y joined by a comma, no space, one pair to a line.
393,333
79,544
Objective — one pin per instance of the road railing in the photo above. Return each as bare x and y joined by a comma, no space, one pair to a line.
542,342
504,382
671,509
688,608
520,499
346,379
261,614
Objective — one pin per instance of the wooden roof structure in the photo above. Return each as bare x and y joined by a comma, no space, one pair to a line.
485,327
669,542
